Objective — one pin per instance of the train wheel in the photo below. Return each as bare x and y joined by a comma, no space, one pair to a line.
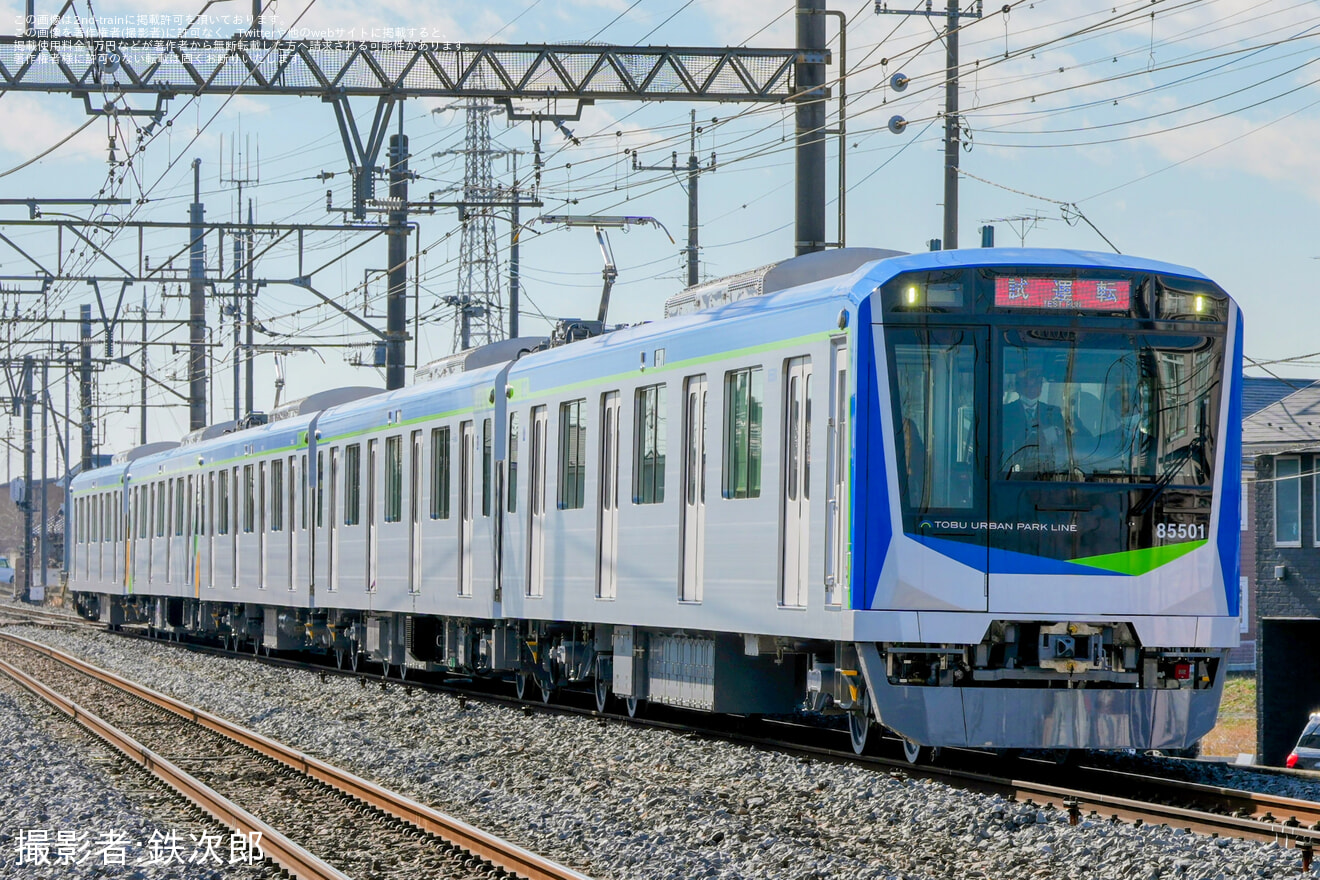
635,707
859,730
403,672
548,692
339,658
354,658
520,683
915,753
602,690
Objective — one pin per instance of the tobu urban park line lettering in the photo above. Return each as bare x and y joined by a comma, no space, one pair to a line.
960,526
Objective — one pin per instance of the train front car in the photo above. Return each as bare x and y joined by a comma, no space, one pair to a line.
1046,496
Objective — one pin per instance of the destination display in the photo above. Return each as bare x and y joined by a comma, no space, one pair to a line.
1063,293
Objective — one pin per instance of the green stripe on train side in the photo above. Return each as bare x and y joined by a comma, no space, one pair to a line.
1135,562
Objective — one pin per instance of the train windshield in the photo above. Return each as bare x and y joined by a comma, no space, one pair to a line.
1111,407
978,404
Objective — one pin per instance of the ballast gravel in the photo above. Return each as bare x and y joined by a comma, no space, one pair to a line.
615,801
69,808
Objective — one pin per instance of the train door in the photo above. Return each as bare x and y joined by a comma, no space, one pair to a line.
795,521
372,532
536,505
289,520
204,531
261,526
607,535
837,466
98,509
167,530
466,462
190,536
332,519
939,393
235,525
210,528
694,488
415,514
151,533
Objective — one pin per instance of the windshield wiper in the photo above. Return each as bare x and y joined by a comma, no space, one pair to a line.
1170,471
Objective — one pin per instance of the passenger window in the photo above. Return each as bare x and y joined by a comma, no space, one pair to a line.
249,499
352,484
393,479
649,446
513,463
572,455
277,496
742,433
222,504
485,466
439,473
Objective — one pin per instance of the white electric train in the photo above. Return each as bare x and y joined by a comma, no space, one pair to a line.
983,498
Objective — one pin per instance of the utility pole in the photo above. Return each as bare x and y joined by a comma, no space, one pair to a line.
68,469
952,125
396,298
196,311
694,170
142,435
85,384
28,402
45,473
243,243
236,313
251,310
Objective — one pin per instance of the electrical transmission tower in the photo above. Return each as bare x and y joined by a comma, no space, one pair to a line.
477,300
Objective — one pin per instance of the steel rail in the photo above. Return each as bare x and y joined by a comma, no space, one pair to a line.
501,853
284,852
1269,817
1265,807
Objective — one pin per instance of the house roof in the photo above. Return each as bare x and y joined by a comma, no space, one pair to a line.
1289,424
1259,392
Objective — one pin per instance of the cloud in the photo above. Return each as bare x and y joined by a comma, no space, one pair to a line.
27,127
1279,149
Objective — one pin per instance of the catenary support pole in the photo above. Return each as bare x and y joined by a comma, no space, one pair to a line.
809,128
251,313
514,221
29,400
196,307
694,174
45,472
396,301
952,131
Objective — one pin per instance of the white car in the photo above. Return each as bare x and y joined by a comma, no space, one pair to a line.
6,571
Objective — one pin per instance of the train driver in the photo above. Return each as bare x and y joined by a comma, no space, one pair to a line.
1033,435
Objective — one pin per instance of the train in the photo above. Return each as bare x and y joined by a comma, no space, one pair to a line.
981,498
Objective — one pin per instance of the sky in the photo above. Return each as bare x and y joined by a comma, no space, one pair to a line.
1180,130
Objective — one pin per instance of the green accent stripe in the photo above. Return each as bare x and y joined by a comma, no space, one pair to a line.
1139,561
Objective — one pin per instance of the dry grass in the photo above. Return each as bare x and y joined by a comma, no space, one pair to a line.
1235,731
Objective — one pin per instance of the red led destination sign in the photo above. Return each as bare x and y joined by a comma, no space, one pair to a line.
1063,293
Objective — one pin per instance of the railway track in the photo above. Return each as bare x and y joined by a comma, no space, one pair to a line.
1088,793
311,818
